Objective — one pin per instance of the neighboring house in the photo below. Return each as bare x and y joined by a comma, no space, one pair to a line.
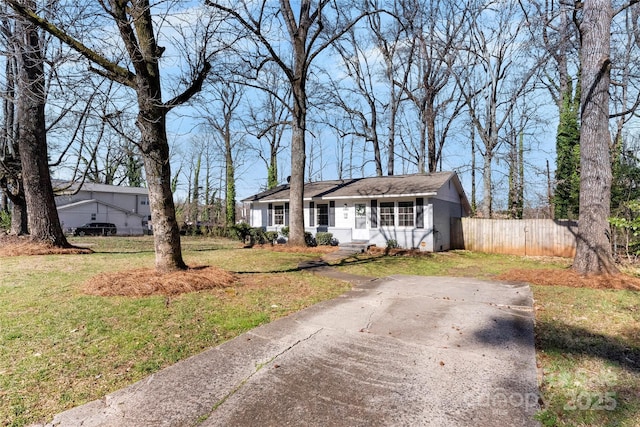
126,207
414,210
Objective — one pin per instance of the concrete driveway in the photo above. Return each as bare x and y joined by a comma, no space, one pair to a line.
403,350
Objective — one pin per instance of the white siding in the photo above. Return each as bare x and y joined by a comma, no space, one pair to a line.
130,202
127,224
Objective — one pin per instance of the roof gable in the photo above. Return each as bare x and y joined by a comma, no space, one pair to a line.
70,206
65,187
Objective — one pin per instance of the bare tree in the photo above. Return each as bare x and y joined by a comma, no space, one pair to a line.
309,32
495,70
10,165
270,117
355,95
42,218
136,29
228,98
437,32
390,37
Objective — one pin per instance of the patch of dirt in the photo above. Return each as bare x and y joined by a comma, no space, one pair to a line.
147,281
26,245
568,277
375,250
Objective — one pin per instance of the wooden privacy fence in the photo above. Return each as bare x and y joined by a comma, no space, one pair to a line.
533,237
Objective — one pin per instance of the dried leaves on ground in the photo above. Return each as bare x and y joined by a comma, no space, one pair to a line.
144,282
568,277
25,245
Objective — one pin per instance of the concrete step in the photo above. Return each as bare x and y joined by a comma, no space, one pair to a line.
354,246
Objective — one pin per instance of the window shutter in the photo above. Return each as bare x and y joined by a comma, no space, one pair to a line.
286,214
419,212
312,214
374,214
332,214
270,215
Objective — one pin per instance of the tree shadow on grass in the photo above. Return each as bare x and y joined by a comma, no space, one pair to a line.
569,402
316,264
569,339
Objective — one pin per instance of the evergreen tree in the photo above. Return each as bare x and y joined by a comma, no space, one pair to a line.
626,177
567,192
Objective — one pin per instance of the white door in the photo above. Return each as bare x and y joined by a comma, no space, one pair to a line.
360,230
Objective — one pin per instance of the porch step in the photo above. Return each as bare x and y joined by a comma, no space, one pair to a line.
356,246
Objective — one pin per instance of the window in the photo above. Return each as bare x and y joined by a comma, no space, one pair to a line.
387,217
323,215
405,214
93,217
278,215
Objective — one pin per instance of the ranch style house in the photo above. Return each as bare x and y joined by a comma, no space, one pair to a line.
415,210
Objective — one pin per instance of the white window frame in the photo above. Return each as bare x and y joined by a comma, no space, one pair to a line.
406,218
384,215
278,215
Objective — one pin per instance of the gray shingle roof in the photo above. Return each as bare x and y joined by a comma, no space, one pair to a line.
66,187
384,186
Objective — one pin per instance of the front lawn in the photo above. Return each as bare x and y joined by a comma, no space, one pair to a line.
61,347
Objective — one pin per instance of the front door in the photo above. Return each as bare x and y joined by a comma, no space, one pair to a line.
360,231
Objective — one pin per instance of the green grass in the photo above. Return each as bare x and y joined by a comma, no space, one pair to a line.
455,263
60,348
588,343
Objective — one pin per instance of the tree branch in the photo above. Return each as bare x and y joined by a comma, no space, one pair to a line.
195,87
118,73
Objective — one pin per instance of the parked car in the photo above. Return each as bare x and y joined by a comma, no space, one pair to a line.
95,229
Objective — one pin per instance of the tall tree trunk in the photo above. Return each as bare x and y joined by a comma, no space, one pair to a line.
4,201
43,220
195,198
166,233
431,136
474,205
135,25
272,172
593,252
422,149
298,160
521,176
374,139
153,131
486,207
230,195
299,128
391,142
19,217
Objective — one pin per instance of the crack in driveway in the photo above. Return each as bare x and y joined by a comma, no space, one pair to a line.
258,369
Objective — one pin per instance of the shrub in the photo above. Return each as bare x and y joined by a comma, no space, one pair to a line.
309,239
257,236
271,236
221,231
392,244
323,238
241,231
285,231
